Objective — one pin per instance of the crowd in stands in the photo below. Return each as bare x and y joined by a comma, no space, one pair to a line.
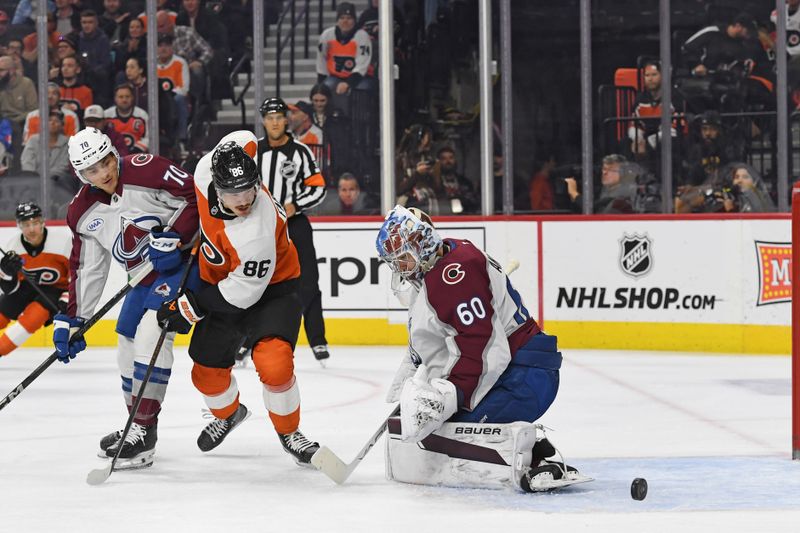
723,104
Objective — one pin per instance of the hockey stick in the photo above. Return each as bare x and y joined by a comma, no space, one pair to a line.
81,330
329,463
99,475
47,300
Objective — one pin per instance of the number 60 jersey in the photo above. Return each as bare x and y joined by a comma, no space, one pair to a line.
240,256
467,321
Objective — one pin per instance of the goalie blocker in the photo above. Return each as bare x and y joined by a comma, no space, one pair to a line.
486,456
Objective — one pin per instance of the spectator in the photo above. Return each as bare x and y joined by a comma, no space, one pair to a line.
751,192
168,6
128,120
350,200
417,185
75,94
645,135
719,60
94,117
134,45
709,151
115,20
193,48
343,57
173,75
17,98
71,121
335,129
25,12
31,47
21,66
167,113
196,16
457,192
540,188
135,70
68,19
59,165
95,49
4,35
301,125
6,157
625,189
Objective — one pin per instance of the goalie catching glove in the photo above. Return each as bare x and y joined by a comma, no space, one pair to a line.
179,314
425,405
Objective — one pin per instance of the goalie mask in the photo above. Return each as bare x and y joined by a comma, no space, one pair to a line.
408,242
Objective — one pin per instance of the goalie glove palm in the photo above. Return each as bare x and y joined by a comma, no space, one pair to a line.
425,406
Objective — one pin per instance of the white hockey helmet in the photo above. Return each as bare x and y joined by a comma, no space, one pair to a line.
244,138
87,147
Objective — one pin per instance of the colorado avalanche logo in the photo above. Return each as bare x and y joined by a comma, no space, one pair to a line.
131,246
43,275
452,274
163,290
210,252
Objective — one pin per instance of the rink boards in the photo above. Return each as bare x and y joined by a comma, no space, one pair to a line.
705,283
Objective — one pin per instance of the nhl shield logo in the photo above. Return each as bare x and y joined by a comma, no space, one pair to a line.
288,169
635,255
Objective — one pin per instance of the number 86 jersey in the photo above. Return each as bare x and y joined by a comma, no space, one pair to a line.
467,321
240,256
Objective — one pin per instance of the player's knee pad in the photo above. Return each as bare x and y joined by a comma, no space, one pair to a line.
147,335
211,381
33,317
461,454
274,361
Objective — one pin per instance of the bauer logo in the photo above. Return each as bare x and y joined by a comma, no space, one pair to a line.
635,254
460,430
774,272
94,225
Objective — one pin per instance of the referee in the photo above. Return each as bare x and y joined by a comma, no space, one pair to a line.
289,171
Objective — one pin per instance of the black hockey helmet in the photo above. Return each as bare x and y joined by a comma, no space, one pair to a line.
273,105
232,169
27,211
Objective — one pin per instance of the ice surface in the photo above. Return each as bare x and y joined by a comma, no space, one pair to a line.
711,434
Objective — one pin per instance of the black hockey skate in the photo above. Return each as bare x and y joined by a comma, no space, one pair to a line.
299,447
321,352
214,433
137,450
108,441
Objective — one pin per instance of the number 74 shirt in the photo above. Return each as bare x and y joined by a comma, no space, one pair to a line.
240,256
467,321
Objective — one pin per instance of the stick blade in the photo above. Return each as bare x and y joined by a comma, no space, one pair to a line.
329,464
98,476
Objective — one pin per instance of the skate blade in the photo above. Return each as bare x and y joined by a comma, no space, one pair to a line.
545,482
143,460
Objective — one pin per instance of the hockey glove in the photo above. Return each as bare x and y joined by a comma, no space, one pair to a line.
10,265
425,406
179,314
67,346
164,253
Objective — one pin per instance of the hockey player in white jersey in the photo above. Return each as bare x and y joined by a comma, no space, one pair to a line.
479,370
134,209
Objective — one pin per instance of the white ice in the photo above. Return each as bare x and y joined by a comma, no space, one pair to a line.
711,434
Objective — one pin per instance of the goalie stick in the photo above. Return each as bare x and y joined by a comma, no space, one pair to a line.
99,475
83,329
332,466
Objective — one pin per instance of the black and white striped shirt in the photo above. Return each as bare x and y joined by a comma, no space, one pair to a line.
291,174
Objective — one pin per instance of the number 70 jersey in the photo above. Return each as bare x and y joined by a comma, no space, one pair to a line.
242,256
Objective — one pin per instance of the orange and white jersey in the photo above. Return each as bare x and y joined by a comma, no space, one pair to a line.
176,71
31,127
47,264
242,256
133,128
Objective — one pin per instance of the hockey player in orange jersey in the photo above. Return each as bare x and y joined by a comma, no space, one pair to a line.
46,263
251,300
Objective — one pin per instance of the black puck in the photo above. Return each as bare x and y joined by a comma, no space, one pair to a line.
639,488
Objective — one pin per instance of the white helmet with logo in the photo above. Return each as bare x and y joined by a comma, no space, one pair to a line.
87,147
